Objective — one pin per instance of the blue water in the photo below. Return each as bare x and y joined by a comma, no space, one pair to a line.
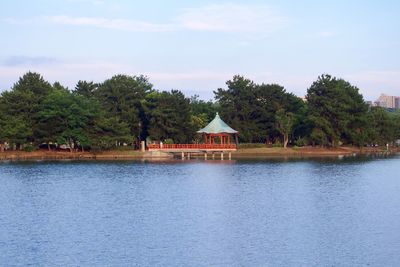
196,213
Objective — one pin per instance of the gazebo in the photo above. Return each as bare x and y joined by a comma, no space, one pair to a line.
217,128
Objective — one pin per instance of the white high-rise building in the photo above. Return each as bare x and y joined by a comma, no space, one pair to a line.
387,101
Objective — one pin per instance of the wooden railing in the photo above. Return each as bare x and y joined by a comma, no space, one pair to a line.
190,146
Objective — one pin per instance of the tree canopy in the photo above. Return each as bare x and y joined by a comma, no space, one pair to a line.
251,108
337,111
127,109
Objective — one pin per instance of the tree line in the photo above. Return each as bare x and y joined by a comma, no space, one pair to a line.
127,109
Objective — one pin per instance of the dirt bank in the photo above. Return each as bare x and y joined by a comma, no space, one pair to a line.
307,152
241,153
57,155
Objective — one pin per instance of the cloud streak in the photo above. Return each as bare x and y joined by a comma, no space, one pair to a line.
232,18
223,18
326,34
113,24
27,60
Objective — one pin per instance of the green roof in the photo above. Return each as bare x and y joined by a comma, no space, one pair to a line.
217,126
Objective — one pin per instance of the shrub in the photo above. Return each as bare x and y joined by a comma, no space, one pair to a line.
168,141
29,148
251,145
277,144
301,142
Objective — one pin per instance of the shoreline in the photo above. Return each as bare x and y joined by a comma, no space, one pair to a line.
312,152
244,153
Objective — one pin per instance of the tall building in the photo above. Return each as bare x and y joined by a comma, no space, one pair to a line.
386,101
397,103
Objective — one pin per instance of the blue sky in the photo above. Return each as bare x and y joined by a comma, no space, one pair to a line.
195,46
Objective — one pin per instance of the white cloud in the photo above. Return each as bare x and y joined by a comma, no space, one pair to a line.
29,60
114,24
229,18
232,18
326,34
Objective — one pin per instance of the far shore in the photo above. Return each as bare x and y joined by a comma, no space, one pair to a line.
243,153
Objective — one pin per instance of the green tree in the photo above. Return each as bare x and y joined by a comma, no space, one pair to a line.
201,108
337,111
108,132
269,100
21,104
59,86
64,118
237,107
168,116
285,121
251,108
86,89
382,126
13,130
123,96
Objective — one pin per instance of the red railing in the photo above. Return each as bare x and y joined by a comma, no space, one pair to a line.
190,146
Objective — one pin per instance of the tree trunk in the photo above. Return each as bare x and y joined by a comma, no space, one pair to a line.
48,146
1,147
285,140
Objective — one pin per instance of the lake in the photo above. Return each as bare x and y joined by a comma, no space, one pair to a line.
317,212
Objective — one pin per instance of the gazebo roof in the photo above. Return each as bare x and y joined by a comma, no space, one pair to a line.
217,126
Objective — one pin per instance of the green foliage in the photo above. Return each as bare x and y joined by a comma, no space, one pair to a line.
169,141
204,109
277,144
199,121
14,130
384,127
60,87
251,109
284,121
64,118
107,133
123,96
123,110
318,136
337,111
85,89
303,141
29,148
19,108
168,116
251,145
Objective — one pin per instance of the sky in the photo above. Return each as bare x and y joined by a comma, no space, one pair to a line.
196,46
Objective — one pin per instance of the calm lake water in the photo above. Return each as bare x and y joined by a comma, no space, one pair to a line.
196,213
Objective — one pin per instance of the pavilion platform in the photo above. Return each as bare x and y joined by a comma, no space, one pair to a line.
188,150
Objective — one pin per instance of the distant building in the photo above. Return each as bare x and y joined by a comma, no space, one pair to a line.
387,101
397,103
